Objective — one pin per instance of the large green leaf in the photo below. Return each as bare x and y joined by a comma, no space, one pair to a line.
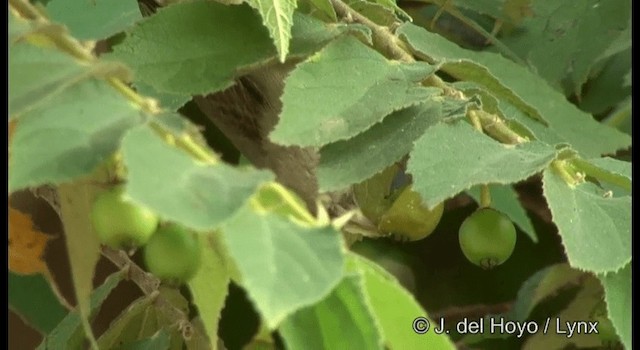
346,162
277,16
340,321
544,284
564,39
209,285
70,135
283,266
555,332
523,90
82,243
36,75
343,90
617,287
609,87
595,229
68,333
178,188
33,299
95,19
199,47
168,101
398,315
451,158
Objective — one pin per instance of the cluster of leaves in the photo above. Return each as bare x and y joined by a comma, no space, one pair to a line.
363,107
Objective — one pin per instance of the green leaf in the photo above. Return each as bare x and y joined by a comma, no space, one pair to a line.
277,16
395,309
608,89
94,19
563,40
378,13
542,285
168,101
613,166
33,299
391,4
491,104
160,341
68,334
183,50
135,322
209,286
351,161
83,246
284,266
505,199
17,28
579,309
512,83
343,90
617,287
199,196
451,158
595,230
340,321
70,135
608,170
36,75
492,8
327,12
479,67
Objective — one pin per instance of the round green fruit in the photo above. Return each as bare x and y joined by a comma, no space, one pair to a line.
487,238
119,223
173,254
408,219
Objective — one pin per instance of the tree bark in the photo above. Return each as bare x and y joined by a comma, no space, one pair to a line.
247,112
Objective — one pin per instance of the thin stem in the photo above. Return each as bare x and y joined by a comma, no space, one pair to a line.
390,44
475,120
381,35
560,166
73,47
485,196
498,129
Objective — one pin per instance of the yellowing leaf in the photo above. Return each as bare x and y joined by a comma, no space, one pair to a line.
26,245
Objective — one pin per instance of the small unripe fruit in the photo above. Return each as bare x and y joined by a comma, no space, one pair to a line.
173,254
119,223
408,219
487,238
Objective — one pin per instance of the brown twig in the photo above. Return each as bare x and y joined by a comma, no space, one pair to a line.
147,283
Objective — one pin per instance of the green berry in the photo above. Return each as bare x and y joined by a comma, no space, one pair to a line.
120,223
487,238
173,254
